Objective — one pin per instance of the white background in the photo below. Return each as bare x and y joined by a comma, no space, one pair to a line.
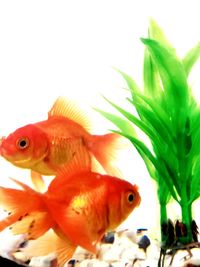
68,48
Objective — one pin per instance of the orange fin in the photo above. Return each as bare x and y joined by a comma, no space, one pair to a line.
33,224
74,223
66,108
38,182
9,220
25,187
81,162
12,199
28,212
105,148
50,243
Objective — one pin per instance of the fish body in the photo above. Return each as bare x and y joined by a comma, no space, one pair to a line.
47,146
99,204
79,211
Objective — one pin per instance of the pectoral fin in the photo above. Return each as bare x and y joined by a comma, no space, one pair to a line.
38,182
50,243
74,224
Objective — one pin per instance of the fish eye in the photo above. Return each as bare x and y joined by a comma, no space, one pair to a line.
22,143
130,198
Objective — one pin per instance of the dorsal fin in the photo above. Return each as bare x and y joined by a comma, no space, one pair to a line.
81,162
67,108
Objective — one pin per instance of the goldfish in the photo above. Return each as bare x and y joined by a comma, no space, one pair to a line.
46,146
77,209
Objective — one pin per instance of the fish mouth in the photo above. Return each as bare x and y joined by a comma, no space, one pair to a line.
5,153
17,162
21,161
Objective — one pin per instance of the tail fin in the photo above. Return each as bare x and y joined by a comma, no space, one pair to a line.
27,211
104,148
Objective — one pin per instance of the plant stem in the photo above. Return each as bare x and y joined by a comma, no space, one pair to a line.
186,210
163,221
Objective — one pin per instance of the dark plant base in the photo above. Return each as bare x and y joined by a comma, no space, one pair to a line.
173,239
172,250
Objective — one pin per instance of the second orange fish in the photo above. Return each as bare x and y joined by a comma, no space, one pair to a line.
79,205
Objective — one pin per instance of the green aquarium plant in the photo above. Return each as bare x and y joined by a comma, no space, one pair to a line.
169,115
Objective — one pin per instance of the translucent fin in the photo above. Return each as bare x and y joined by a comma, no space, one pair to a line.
96,166
66,108
9,220
33,224
27,211
38,182
104,148
12,199
50,243
81,162
23,186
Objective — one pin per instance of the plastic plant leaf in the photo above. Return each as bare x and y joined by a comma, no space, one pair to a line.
155,32
150,167
140,124
163,192
170,68
169,165
194,180
132,86
141,146
158,111
166,148
191,58
173,79
155,120
152,84
195,139
129,80
123,124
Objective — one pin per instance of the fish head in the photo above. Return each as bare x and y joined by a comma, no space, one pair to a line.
25,146
123,198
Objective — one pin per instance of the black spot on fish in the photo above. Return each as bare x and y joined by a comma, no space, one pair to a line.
76,211
46,159
29,229
30,237
32,224
23,244
20,218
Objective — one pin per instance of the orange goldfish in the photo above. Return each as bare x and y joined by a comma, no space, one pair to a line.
79,205
46,146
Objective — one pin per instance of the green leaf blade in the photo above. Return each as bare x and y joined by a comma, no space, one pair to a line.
122,124
191,58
